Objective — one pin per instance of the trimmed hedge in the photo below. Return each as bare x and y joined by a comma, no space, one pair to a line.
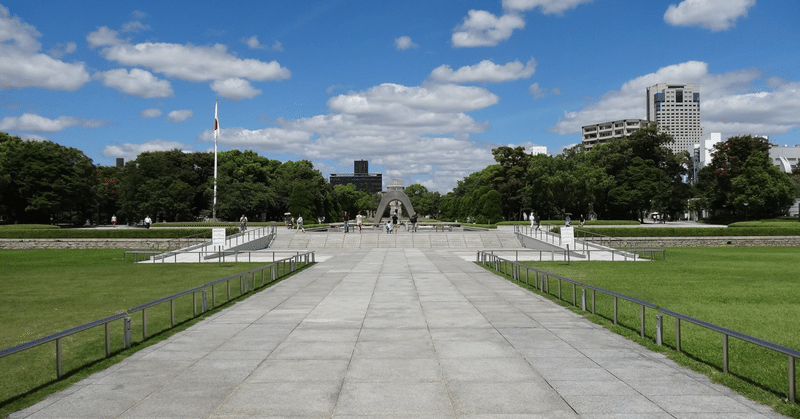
128,233
693,231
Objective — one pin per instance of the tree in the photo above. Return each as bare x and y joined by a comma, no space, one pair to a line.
761,190
715,180
42,180
510,180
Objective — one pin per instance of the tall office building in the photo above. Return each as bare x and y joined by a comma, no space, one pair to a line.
675,107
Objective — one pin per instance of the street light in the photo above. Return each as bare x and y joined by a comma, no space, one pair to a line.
745,210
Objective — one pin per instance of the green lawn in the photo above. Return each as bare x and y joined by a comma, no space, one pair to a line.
750,290
47,291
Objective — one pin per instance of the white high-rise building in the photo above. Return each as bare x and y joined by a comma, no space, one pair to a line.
675,107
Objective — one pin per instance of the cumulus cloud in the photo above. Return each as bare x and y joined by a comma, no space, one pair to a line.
715,15
483,29
60,50
179,115
549,7
253,43
229,74
130,151
536,91
150,113
728,101
404,42
37,123
235,89
485,72
389,124
137,82
22,65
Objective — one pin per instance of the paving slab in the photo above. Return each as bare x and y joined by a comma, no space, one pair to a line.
396,333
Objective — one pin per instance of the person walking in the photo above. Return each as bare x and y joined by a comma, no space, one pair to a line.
388,227
300,224
359,221
394,221
414,222
243,224
113,220
346,222
538,221
532,219
147,221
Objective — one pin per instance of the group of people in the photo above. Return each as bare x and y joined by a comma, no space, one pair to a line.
534,218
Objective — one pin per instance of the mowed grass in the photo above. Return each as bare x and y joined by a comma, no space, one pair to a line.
47,291
755,291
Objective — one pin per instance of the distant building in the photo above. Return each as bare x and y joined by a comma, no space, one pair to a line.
594,134
675,107
784,156
536,150
359,177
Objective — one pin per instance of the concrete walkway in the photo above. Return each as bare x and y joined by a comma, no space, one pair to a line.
396,333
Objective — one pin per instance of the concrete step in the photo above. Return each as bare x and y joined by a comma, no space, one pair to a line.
287,239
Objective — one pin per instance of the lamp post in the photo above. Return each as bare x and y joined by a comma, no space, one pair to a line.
745,210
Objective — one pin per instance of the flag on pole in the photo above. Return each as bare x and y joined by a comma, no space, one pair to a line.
216,122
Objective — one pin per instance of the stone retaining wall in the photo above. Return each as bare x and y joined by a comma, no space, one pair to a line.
140,244
750,241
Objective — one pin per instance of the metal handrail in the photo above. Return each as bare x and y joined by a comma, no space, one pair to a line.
299,259
486,257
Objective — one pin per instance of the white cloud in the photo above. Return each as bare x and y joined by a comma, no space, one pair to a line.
253,43
235,89
137,82
715,15
130,151
60,50
37,123
230,75
536,91
549,7
150,113
485,71
134,26
483,29
186,62
22,65
403,43
179,115
389,124
102,37
728,102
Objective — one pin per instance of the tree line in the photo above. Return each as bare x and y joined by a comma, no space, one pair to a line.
43,182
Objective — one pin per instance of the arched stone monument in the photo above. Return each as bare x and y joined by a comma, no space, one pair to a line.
394,192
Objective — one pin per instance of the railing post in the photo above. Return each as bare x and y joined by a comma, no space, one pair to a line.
583,299
678,334
659,323
791,380
58,358
593,302
574,292
204,301
126,332
171,312
108,339
724,352
144,323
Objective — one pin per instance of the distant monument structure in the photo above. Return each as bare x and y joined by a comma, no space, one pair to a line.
394,196
360,177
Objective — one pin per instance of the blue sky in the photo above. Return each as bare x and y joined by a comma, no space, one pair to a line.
422,89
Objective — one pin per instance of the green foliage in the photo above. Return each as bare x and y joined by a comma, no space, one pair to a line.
695,231
740,173
41,179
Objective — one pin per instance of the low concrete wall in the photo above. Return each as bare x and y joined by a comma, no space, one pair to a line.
155,244
751,241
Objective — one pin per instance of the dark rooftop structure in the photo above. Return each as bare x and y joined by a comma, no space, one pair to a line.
360,177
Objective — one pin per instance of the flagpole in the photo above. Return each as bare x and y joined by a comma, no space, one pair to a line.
216,135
